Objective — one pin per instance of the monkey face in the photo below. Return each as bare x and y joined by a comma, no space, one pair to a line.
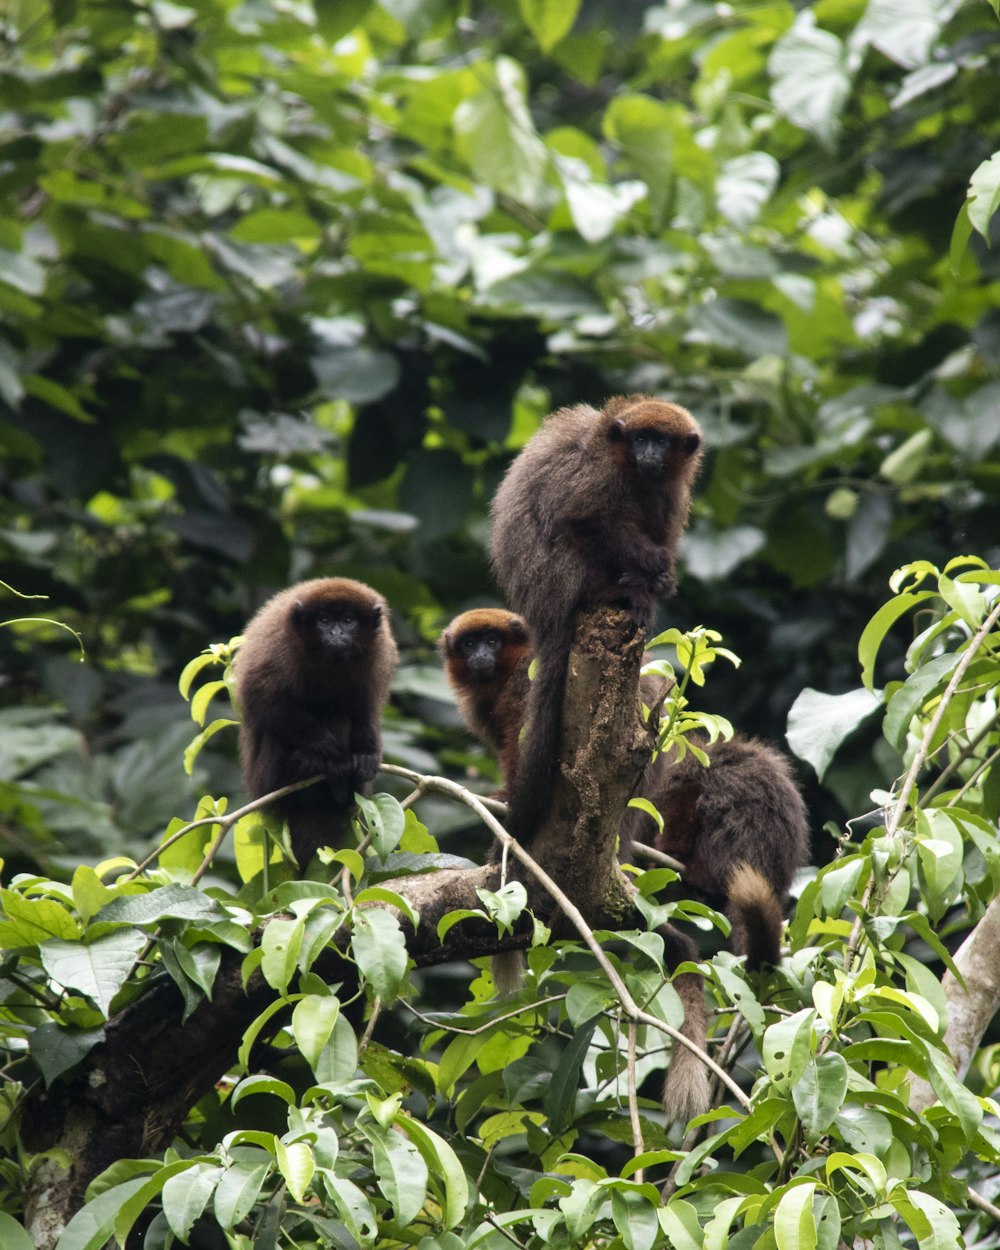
337,630
481,652
651,449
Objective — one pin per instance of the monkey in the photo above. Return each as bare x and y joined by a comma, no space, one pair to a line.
312,678
591,511
486,654
740,828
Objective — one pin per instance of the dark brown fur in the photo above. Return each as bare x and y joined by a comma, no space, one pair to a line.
486,655
739,827
591,511
312,678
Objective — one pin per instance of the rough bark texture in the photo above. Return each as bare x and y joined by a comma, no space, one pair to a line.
972,1007
132,1093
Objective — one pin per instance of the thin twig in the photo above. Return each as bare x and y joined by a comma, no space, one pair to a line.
366,1037
984,1204
482,1028
657,856
638,1145
226,821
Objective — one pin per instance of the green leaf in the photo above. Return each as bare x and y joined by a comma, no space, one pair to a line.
794,1225
92,1226
313,1022
384,820
984,195
933,1224
297,1165
495,134
560,1095
635,1219
353,1207
880,624
905,31
237,1192
819,1092
99,969
281,944
176,902
12,1234
811,82
32,921
549,20
786,1048
56,1048
401,1170
908,700
818,723
380,951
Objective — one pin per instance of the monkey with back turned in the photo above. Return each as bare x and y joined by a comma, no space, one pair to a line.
312,678
591,511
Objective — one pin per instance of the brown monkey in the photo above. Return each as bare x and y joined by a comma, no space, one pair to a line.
739,827
591,511
486,655
312,677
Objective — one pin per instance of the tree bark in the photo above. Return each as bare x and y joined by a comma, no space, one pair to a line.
131,1094
970,1007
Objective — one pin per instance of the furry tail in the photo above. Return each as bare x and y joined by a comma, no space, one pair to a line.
756,916
508,973
538,758
685,1091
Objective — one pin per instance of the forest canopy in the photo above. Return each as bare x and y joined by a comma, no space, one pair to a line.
284,287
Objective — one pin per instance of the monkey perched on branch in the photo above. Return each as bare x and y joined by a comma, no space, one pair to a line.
739,826
590,512
312,678
486,654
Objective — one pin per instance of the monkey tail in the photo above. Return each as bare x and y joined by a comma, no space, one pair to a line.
756,916
508,969
686,1091
538,757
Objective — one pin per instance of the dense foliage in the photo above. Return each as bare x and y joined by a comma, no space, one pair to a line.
282,288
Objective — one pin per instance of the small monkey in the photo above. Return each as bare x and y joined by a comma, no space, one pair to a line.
312,678
591,511
486,655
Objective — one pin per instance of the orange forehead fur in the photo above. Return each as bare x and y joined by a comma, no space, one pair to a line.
642,410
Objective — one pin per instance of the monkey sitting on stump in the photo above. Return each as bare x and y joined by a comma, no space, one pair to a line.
312,678
590,512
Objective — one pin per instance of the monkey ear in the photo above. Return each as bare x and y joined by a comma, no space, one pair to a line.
298,612
692,443
616,430
376,613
